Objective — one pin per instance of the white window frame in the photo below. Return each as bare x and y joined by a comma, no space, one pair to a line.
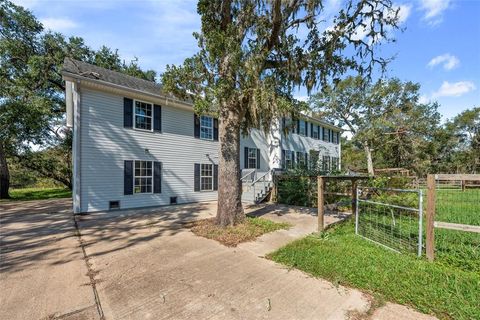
301,161
206,176
254,150
288,157
317,131
140,115
207,127
304,134
142,177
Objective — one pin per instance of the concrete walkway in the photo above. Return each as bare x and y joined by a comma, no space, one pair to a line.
42,271
146,264
150,266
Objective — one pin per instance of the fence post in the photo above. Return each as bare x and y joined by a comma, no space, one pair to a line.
354,196
320,202
430,231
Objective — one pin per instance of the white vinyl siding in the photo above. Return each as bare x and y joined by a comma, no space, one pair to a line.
106,144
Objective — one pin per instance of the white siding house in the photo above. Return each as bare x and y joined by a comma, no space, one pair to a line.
134,146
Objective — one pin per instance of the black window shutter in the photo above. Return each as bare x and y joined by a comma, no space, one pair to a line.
258,158
196,123
306,160
311,130
128,177
306,129
215,129
157,117
215,177
284,124
157,177
298,126
245,158
319,132
293,157
284,164
330,137
196,179
338,137
127,113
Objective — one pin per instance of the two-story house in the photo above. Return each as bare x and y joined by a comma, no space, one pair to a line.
135,146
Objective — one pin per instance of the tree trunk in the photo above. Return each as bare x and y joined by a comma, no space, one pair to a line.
4,174
368,153
229,207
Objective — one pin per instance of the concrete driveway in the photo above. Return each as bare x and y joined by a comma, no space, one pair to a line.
146,264
42,269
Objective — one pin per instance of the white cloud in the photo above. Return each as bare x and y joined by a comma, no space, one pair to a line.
434,10
58,24
455,89
448,61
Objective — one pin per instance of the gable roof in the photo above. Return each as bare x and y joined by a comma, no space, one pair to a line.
90,71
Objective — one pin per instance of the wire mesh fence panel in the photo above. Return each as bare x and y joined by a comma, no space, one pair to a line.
390,217
458,207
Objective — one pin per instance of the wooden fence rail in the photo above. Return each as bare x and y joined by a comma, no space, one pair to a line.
431,224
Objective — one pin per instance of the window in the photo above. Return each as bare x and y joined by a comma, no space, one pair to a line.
301,159
326,163
335,137
206,128
206,177
335,161
252,158
314,157
288,159
143,177
315,133
143,116
302,128
326,134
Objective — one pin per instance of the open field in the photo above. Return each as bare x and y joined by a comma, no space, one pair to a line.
447,288
38,194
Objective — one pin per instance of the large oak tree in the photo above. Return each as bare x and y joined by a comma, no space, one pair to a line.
253,54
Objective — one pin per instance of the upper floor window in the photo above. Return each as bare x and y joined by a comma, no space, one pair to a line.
143,116
206,127
326,134
143,177
206,177
302,128
252,158
335,137
315,132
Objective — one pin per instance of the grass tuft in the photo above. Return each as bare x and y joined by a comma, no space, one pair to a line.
231,236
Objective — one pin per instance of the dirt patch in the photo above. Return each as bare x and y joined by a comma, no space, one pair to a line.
231,236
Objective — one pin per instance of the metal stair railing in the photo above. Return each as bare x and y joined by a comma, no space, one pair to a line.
265,183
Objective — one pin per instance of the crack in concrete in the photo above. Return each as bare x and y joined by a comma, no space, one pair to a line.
90,272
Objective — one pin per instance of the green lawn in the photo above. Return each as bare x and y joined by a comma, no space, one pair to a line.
38,194
448,288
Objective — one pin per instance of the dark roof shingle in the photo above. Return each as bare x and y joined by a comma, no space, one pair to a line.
91,71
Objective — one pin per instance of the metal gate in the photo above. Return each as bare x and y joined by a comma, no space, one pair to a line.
391,218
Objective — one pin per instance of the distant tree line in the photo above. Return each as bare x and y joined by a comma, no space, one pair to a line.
32,104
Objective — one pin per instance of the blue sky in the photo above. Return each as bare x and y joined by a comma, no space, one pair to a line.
440,47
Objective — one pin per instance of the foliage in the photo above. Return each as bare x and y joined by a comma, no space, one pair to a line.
341,257
231,236
27,194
